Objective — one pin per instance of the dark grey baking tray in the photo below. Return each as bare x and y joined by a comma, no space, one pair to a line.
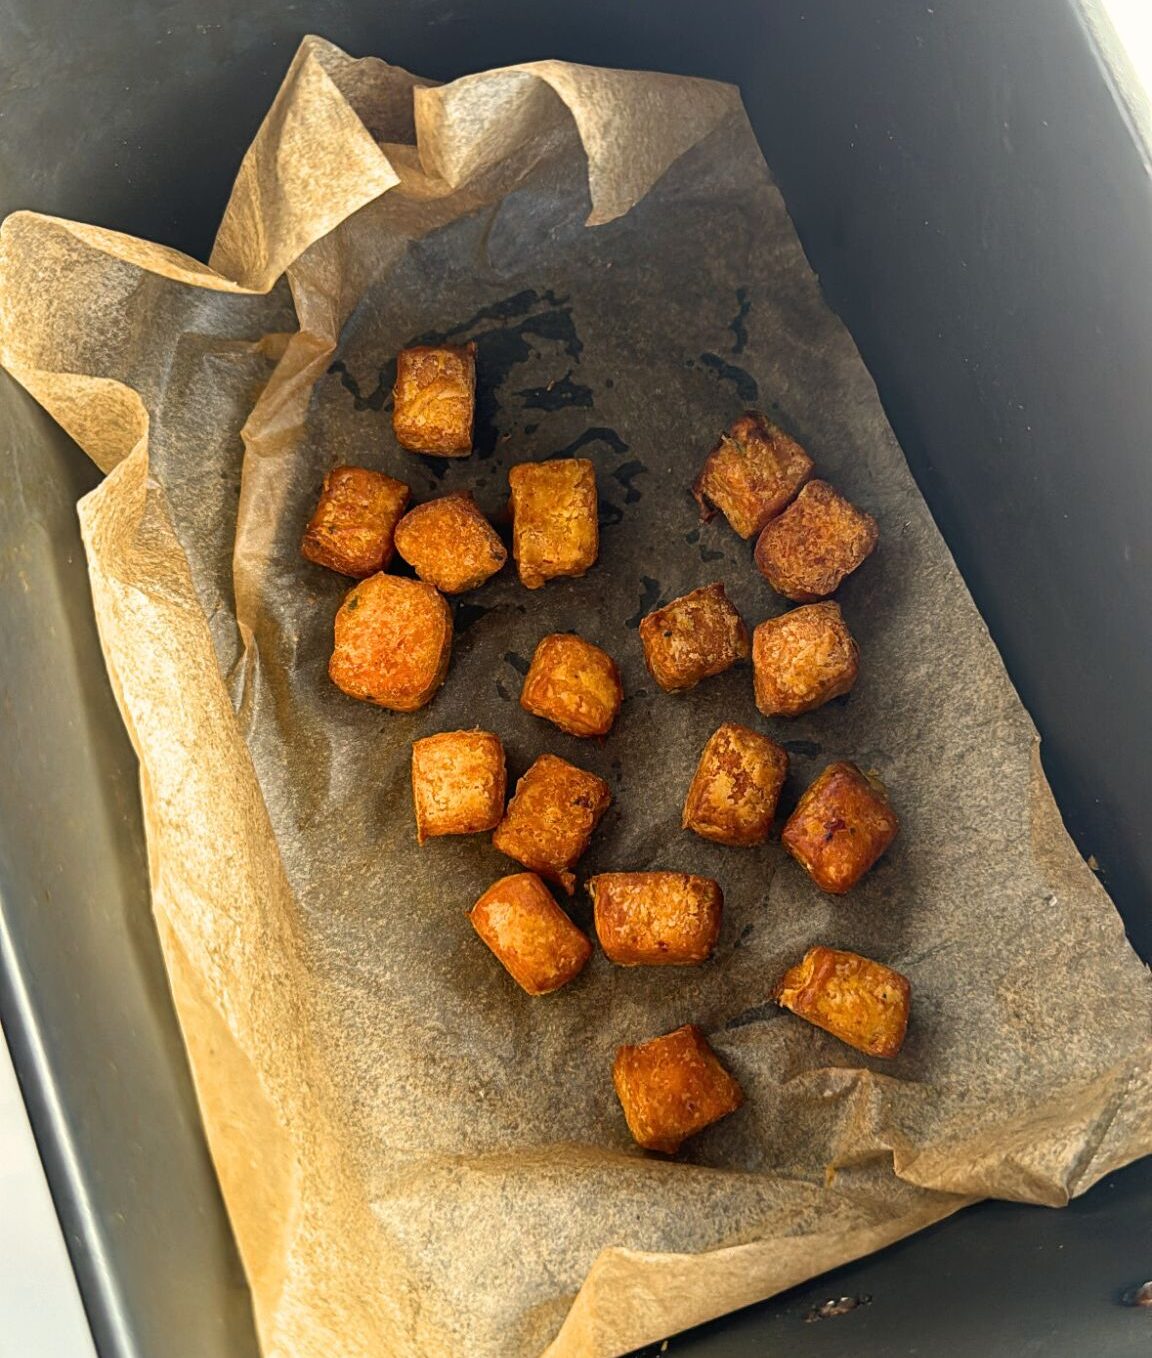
972,195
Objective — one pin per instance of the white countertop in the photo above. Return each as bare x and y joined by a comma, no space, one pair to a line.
41,1315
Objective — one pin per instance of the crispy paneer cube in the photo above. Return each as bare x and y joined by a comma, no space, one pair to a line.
458,783
751,474
573,684
656,919
555,528
841,826
551,817
434,399
802,659
805,552
352,527
861,1002
693,637
538,945
737,784
393,642
672,1087
449,543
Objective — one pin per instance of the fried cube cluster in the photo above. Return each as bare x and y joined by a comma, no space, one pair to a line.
555,524
862,1002
393,640
840,827
458,783
656,919
352,527
538,945
551,817
693,637
807,551
449,543
802,659
434,399
573,684
751,474
672,1087
733,796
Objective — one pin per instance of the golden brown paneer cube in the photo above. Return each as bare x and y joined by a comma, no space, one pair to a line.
393,642
841,826
656,919
672,1087
737,784
751,474
805,552
458,783
555,528
351,529
539,946
434,399
449,543
573,684
551,817
861,1002
802,659
693,637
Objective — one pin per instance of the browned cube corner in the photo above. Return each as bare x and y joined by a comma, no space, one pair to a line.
555,528
538,945
551,817
737,784
862,1002
458,783
819,539
693,637
573,684
351,529
672,1087
434,399
393,642
802,659
841,826
656,919
751,474
449,543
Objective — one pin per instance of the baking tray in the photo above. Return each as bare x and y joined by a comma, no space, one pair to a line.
970,191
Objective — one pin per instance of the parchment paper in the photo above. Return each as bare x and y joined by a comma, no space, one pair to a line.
418,1159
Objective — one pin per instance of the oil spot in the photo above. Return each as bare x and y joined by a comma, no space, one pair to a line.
609,514
760,1013
375,399
531,428
806,749
736,324
692,537
626,473
747,388
467,614
689,362
518,663
709,554
438,466
745,935
597,434
649,598
559,394
609,382
503,692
